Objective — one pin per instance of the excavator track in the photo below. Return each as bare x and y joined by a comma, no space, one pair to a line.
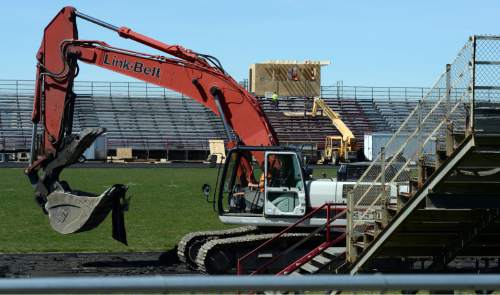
218,256
188,246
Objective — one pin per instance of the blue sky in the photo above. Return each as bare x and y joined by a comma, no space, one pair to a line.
374,43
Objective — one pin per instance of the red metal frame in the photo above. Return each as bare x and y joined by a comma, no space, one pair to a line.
329,220
190,73
306,258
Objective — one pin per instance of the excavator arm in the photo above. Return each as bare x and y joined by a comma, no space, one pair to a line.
195,75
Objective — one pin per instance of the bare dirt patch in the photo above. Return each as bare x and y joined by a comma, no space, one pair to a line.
91,264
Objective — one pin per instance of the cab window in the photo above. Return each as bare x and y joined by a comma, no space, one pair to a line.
284,181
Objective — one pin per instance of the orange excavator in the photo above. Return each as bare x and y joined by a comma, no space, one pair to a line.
263,207
196,75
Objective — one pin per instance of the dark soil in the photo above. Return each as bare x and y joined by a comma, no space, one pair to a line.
91,264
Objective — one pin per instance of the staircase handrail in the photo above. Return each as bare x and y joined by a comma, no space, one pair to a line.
309,215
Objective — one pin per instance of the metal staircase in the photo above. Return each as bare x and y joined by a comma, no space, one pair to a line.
446,205
326,254
323,259
450,209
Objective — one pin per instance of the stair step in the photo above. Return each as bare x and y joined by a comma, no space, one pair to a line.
265,255
370,232
295,273
341,268
335,251
309,268
360,245
321,259
392,208
380,225
404,194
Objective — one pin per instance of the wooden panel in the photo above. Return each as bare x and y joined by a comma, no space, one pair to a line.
286,79
124,153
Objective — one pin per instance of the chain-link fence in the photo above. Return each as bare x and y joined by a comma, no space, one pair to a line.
486,82
487,63
445,106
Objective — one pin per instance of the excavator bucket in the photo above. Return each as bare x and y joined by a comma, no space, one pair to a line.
73,212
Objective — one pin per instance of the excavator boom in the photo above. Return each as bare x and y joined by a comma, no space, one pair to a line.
199,76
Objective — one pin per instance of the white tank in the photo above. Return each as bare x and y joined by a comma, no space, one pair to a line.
326,190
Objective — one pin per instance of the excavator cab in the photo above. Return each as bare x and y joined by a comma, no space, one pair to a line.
285,193
262,181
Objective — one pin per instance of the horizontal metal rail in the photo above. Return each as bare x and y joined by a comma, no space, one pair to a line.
134,89
154,284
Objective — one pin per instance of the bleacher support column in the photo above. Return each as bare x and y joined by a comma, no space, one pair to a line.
351,251
473,82
448,91
420,155
449,141
385,200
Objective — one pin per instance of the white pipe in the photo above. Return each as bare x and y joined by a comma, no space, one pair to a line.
152,284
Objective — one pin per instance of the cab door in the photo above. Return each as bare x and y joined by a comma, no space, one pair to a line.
284,186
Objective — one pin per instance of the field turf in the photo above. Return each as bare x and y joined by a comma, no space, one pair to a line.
166,204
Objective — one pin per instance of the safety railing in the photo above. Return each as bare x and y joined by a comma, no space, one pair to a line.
377,283
313,253
141,89
92,88
374,93
325,227
437,112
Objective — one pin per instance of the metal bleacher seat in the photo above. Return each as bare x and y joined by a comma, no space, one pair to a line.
15,125
146,117
360,116
156,123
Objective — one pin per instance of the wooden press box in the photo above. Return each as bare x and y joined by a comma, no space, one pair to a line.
286,78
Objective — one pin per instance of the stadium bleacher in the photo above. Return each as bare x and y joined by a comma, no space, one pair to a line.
149,118
361,116
15,125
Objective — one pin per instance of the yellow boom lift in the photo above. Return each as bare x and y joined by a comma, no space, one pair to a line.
337,148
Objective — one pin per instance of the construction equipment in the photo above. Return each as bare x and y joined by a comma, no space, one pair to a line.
337,148
217,151
262,186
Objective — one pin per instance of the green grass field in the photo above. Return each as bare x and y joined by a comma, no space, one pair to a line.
166,204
